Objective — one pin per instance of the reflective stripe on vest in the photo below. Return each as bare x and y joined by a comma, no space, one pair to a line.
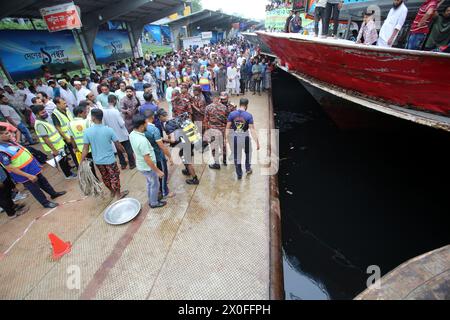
77,128
20,159
204,81
53,135
64,120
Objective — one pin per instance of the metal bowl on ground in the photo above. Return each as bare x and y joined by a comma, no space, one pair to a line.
122,211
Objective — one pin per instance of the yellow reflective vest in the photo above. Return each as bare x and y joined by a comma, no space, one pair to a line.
53,135
77,127
19,159
64,120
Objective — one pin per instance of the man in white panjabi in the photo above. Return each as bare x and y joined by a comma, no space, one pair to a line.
393,24
231,79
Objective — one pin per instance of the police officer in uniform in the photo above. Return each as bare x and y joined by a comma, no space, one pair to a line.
25,169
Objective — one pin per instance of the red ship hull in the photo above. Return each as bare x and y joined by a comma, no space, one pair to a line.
406,78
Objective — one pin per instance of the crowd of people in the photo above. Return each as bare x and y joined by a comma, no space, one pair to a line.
118,113
429,31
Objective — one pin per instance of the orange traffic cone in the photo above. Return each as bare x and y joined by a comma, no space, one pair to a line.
60,247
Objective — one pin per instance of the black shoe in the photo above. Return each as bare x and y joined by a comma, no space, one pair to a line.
249,171
159,205
186,172
132,167
239,177
51,205
18,207
214,166
58,194
193,182
225,162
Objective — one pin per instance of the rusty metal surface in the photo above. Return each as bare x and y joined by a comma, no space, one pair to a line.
276,259
425,277
210,242
412,80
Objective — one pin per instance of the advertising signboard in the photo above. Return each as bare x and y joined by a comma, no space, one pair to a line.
112,45
62,17
24,53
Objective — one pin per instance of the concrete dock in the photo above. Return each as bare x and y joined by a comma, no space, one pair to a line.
211,241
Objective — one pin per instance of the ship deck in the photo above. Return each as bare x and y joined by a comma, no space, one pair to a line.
211,241
426,277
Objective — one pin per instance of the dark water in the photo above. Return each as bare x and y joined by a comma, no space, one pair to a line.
354,198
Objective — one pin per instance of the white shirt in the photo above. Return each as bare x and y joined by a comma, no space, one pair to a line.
29,96
140,97
231,73
162,71
68,96
81,94
113,119
93,87
120,94
49,107
321,3
169,93
47,89
395,20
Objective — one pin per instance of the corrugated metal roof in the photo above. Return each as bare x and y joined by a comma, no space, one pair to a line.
30,8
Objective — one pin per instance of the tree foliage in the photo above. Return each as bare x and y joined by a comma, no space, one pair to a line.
196,5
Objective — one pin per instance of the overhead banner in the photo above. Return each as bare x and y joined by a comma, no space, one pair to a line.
207,35
24,53
276,19
112,45
61,17
152,34
166,35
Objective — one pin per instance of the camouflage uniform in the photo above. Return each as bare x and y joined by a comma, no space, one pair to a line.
199,108
225,97
216,117
182,105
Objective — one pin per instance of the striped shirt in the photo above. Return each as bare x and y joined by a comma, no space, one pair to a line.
429,4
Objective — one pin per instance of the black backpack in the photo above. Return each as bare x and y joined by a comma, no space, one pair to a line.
39,155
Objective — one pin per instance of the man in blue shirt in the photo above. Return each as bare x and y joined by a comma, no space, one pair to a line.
148,97
100,139
153,135
139,83
145,160
237,134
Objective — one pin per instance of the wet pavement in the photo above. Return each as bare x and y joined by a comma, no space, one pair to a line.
210,242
